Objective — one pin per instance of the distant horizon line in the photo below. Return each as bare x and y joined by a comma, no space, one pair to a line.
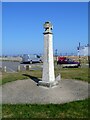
66,53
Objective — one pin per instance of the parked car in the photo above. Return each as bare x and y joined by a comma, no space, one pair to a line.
28,58
67,62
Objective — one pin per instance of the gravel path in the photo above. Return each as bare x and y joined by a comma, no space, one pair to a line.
27,91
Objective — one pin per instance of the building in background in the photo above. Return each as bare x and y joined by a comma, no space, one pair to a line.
84,50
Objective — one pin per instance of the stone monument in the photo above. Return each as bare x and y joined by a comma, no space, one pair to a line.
48,77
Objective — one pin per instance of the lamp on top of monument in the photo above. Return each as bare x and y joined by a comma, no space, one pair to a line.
48,27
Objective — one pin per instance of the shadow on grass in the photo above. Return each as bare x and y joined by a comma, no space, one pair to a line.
35,79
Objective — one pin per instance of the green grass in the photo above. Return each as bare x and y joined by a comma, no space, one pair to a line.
74,73
66,73
78,109
9,77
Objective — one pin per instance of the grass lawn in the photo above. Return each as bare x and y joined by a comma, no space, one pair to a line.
74,73
9,77
77,109
66,73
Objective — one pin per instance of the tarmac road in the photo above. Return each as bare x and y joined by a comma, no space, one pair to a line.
12,66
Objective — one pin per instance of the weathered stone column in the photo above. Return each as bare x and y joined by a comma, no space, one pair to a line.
48,77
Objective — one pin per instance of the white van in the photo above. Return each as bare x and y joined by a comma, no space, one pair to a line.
27,58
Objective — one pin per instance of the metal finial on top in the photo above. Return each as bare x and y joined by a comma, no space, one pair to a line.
48,27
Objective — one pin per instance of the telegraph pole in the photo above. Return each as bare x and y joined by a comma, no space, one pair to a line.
56,54
79,52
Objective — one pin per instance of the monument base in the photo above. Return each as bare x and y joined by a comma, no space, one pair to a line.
48,84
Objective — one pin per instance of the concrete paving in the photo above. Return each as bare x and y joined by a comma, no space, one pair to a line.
27,91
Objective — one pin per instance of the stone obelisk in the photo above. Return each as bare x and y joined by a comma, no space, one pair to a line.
48,77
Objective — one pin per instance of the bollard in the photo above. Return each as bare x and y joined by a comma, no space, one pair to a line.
18,68
24,66
5,69
28,67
